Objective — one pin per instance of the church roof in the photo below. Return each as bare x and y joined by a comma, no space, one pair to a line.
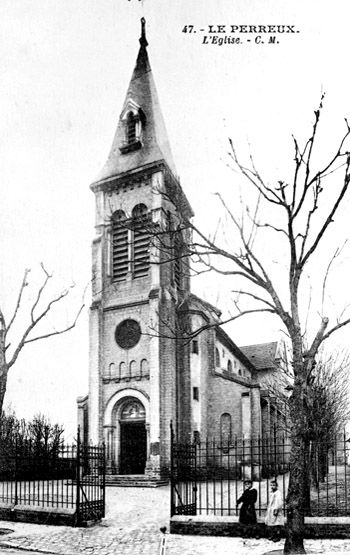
261,355
231,345
142,94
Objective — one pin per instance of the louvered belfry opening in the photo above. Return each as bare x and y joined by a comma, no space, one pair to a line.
141,220
120,246
130,243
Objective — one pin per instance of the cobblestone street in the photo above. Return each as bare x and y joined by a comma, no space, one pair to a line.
134,516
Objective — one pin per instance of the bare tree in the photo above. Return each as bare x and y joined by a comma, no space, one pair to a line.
295,213
329,409
45,437
17,434
39,310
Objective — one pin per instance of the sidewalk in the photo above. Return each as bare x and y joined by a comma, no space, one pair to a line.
103,540
134,516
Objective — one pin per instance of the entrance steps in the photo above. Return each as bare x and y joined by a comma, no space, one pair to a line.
134,481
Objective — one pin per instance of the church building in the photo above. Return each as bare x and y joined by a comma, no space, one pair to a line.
141,377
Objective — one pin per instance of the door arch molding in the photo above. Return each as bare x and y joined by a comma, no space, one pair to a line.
120,396
113,424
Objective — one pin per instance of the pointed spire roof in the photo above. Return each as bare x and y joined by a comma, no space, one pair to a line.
141,96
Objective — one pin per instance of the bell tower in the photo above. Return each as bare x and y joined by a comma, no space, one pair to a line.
136,288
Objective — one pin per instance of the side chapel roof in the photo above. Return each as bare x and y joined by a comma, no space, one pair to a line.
262,355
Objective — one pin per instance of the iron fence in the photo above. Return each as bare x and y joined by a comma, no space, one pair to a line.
64,477
207,476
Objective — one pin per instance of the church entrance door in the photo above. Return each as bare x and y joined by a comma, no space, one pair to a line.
133,438
133,447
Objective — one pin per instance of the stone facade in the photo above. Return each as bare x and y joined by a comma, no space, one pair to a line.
142,376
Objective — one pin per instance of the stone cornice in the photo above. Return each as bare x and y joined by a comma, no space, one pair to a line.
125,305
141,173
127,179
237,379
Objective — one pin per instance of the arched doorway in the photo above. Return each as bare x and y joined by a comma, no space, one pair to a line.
133,437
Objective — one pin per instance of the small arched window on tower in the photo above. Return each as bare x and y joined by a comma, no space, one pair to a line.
144,371
133,120
123,371
132,369
141,220
111,371
229,366
120,246
131,128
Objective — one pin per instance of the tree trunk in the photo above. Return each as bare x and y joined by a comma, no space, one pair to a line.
295,502
3,384
296,498
307,479
299,473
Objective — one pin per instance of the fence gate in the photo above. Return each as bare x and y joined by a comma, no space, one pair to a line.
68,481
91,487
183,477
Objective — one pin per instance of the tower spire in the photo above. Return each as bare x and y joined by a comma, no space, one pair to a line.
143,40
148,141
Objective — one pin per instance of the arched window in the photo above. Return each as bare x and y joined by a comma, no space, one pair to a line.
111,370
217,358
123,373
229,366
225,427
132,369
144,368
141,220
120,247
139,212
131,128
130,243
133,120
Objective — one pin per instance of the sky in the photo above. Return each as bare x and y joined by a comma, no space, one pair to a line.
65,69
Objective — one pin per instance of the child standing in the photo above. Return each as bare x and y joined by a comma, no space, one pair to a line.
274,513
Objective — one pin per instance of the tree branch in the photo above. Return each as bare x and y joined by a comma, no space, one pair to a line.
19,298
35,321
41,289
335,328
256,297
329,219
58,332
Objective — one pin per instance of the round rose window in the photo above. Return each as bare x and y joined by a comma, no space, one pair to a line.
127,334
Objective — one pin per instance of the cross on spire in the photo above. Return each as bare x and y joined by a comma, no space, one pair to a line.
143,40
